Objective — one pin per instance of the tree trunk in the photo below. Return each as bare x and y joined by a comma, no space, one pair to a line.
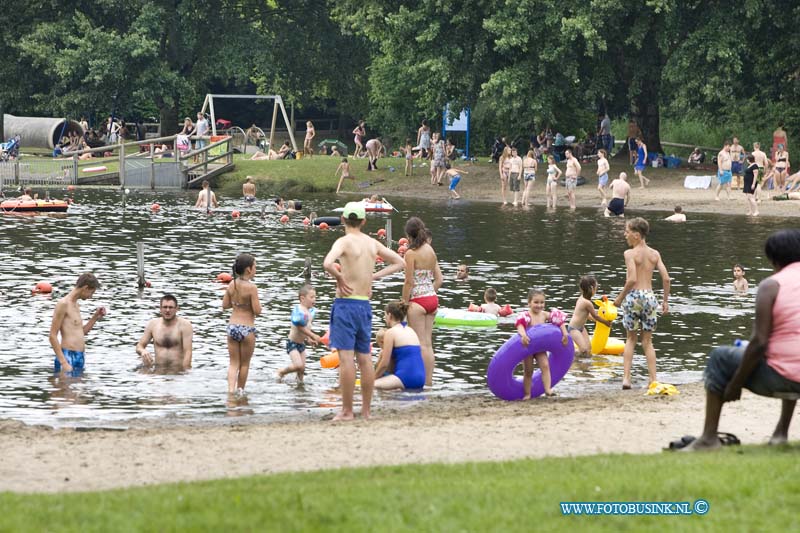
168,115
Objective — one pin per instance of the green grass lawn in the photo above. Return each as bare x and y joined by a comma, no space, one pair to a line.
748,489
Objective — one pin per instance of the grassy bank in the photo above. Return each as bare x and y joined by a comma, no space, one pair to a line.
748,489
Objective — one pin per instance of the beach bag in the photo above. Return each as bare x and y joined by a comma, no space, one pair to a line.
182,143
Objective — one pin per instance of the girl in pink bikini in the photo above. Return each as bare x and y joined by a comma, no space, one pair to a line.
423,279
359,133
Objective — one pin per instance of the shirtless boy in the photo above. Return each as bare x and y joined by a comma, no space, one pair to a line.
638,301
739,281
302,319
171,336
206,197
249,189
620,196
489,304
737,168
67,321
572,173
351,313
602,175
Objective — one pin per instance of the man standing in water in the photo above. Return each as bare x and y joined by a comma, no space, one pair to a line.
351,313
724,170
67,321
249,189
171,336
206,197
638,301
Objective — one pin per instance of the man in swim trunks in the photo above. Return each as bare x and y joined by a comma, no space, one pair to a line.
67,321
171,336
639,303
351,313
206,197
737,169
724,176
620,196
249,189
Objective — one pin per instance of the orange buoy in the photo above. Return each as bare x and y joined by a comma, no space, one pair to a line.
326,339
235,214
224,277
306,221
402,242
155,207
323,225
381,233
42,288
331,360
284,219
70,187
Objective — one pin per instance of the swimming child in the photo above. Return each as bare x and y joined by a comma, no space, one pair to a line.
400,348
455,177
553,174
490,302
302,317
739,281
67,321
529,166
584,308
344,168
536,316
242,296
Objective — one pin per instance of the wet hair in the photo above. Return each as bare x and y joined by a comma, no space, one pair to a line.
678,209
490,295
640,226
170,298
783,247
739,266
534,292
751,158
398,310
417,236
87,279
240,264
586,284
305,289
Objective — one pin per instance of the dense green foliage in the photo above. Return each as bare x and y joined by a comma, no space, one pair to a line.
752,489
519,65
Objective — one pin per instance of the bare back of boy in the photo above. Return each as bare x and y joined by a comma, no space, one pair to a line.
577,325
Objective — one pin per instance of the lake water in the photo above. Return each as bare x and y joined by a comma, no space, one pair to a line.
506,248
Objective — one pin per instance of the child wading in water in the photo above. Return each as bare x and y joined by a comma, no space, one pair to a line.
536,316
344,168
739,281
553,174
584,308
242,296
302,318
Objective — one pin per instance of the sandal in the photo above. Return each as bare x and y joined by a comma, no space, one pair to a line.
681,443
728,439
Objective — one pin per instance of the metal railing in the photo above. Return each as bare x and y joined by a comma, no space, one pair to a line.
44,172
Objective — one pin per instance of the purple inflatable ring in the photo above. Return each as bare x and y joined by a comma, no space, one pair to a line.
544,338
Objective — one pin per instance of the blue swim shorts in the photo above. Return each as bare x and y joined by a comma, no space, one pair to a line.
454,181
638,168
351,324
74,358
736,167
291,345
724,176
603,180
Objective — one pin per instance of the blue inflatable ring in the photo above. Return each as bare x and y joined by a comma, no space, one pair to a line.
544,338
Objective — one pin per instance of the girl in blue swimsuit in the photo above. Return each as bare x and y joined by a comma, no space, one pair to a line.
400,349
241,296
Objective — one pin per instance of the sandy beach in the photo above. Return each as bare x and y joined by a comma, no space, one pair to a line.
38,459
665,191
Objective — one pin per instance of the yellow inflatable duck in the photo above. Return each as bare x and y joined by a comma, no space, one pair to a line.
601,344
661,389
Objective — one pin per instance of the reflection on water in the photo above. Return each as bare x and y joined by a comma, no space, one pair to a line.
509,249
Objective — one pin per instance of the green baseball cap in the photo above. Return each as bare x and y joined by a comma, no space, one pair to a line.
354,211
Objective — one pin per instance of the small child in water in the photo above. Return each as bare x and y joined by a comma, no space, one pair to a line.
490,302
536,316
739,281
584,308
300,333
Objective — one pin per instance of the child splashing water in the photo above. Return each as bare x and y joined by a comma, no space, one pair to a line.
302,319
242,296
584,308
536,316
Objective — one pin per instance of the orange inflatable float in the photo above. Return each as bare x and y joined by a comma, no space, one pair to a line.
34,206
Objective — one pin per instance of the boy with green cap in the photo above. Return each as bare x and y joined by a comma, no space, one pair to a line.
351,312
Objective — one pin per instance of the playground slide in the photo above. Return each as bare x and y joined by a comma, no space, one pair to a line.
39,132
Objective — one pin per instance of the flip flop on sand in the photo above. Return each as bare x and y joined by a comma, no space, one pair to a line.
725,439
